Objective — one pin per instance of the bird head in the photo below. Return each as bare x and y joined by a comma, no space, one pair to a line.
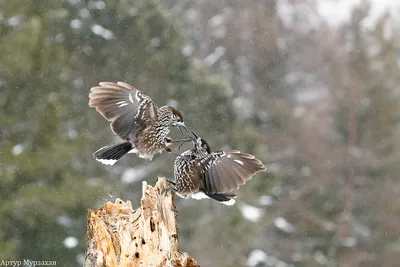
177,119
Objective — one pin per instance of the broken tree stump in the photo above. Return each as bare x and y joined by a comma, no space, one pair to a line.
117,235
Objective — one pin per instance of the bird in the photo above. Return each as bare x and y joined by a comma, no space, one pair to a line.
200,173
134,117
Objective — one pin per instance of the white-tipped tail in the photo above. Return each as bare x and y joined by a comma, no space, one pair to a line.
230,202
199,195
107,161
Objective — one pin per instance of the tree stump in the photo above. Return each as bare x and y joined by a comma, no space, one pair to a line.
117,235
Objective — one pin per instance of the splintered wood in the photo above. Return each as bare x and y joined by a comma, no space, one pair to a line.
117,235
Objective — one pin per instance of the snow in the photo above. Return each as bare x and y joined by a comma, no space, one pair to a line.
133,11
96,5
251,213
103,32
349,242
312,95
358,227
132,175
257,257
64,220
320,257
337,12
75,24
84,13
192,15
212,58
72,134
266,200
18,149
15,21
80,258
334,12
216,20
329,226
73,2
70,242
283,225
187,50
155,42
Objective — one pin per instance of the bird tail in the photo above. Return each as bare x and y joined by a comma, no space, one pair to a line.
110,154
226,199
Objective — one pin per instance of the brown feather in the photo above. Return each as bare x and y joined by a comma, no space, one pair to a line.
231,171
117,103
176,112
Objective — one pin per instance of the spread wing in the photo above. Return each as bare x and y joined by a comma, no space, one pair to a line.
127,108
225,171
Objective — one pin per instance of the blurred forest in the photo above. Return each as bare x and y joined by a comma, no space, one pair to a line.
316,101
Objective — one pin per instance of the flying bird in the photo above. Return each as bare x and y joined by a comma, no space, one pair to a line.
142,126
200,173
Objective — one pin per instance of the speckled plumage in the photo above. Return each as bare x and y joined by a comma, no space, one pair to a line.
135,119
215,174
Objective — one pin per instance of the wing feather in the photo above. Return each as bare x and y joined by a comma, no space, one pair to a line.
228,179
128,109
228,170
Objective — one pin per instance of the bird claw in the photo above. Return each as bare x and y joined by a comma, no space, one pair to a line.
170,189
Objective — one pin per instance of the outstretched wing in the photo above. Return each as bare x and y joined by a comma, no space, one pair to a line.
225,171
127,108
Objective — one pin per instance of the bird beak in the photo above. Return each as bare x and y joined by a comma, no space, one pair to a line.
191,134
183,127
194,136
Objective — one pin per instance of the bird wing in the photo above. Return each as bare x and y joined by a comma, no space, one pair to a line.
225,171
127,108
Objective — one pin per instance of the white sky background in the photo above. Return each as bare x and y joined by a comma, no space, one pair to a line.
338,11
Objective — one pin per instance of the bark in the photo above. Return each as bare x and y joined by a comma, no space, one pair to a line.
117,235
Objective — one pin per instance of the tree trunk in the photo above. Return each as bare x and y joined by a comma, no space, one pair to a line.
117,235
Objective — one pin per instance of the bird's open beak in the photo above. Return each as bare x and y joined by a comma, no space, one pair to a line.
193,136
183,127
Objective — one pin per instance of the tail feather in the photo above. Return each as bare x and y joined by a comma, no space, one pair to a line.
226,199
110,154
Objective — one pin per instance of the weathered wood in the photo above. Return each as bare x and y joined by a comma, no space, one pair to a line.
117,235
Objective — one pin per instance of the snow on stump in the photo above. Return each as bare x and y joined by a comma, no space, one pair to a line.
117,235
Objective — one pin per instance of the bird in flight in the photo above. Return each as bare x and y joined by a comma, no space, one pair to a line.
142,126
200,173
